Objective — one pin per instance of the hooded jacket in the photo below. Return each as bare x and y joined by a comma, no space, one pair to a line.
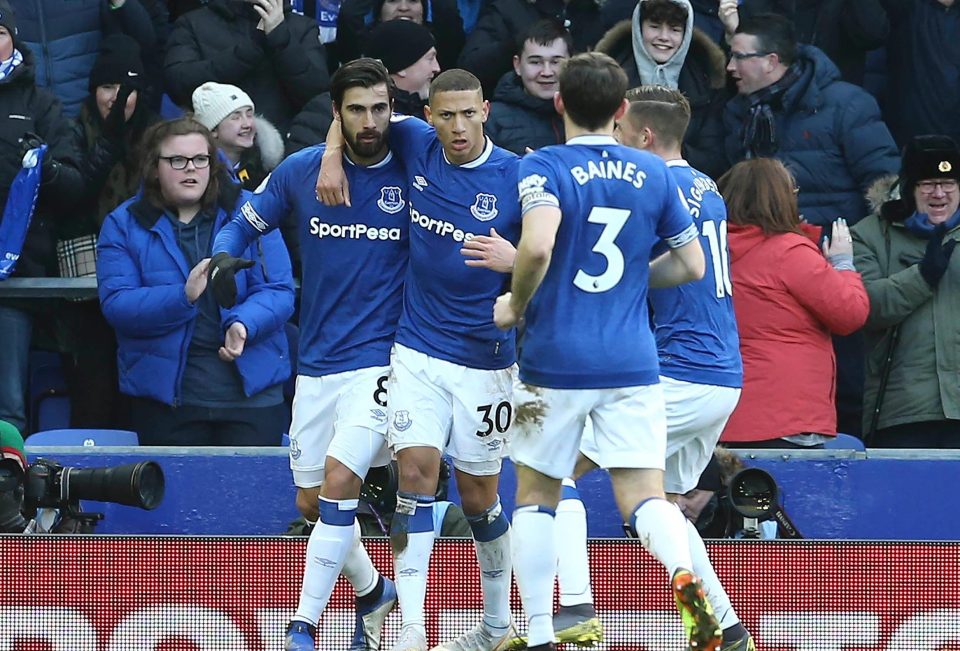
923,382
701,77
141,272
788,301
26,108
281,71
830,136
261,159
519,120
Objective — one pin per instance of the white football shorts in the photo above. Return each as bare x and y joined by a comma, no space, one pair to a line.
342,415
629,427
463,412
696,416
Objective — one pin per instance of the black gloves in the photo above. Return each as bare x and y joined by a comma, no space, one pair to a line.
937,257
114,125
49,167
223,269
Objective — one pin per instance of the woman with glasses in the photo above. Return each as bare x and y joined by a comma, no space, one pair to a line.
789,295
198,374
905,250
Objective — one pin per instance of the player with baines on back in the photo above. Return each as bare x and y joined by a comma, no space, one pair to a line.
593,211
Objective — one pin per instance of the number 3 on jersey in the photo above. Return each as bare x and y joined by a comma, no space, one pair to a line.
717,238
613,220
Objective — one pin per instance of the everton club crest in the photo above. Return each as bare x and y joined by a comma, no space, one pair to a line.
391,199
484,207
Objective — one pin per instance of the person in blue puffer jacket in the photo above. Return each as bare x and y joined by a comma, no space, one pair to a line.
793,105
198,374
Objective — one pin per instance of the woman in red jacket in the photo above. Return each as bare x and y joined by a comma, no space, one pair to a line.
789,298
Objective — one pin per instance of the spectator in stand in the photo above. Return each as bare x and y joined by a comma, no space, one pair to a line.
924,69
788,301
198,375
793,106
273,54
844,30
522,114
660,46
108,133
65,39
30,117
311,124
490,48
905,252
409,53
442,17
251,145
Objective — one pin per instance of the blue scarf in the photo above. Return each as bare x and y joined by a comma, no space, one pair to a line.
9,65
920,225
21,201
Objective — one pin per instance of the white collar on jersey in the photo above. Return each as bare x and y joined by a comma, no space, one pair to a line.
592,139
677,162
476,162
386,159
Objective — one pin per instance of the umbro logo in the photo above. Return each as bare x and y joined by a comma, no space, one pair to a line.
325,562
409,571
419,183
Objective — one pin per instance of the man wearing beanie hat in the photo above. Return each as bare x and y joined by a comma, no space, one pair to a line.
904,251
250,143
409,52
13,465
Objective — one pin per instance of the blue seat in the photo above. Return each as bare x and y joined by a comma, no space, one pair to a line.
53,412
844,442
83,437
46,383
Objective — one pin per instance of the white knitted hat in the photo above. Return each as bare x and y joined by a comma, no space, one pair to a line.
212,102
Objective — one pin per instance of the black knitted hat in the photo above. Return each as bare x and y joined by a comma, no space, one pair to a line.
399,44
118,62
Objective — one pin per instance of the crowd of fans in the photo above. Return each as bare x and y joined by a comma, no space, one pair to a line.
819,97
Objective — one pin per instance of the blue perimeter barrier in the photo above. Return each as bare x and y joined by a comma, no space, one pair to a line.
829,494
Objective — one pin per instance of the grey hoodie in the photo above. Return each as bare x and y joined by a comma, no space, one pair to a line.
651,72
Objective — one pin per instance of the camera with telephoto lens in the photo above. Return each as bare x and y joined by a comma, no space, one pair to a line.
49,485
754,494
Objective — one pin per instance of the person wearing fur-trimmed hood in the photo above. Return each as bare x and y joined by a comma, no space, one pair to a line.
660,46
905,252
250,146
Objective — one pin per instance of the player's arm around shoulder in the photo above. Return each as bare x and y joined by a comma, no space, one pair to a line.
683,263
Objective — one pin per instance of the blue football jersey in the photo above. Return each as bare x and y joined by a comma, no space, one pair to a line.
448,306
588,325
354,259
695,326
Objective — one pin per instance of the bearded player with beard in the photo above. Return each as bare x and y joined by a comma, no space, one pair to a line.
354,261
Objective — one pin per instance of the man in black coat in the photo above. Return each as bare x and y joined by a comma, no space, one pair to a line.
30,117
522,114
261,46
408,50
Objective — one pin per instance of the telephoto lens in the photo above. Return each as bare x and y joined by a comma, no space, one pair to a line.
133,484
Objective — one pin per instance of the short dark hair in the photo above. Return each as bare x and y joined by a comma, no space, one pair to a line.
363,73
154,137
592,86
664,110
453,80
545,32
760,192
774,33
664,11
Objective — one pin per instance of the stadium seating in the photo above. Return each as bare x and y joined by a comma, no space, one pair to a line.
845,442
83,437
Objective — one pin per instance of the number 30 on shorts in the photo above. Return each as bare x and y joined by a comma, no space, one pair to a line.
495,418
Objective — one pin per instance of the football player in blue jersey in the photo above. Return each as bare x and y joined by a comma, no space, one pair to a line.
354,262
594,211
700,371
452,370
